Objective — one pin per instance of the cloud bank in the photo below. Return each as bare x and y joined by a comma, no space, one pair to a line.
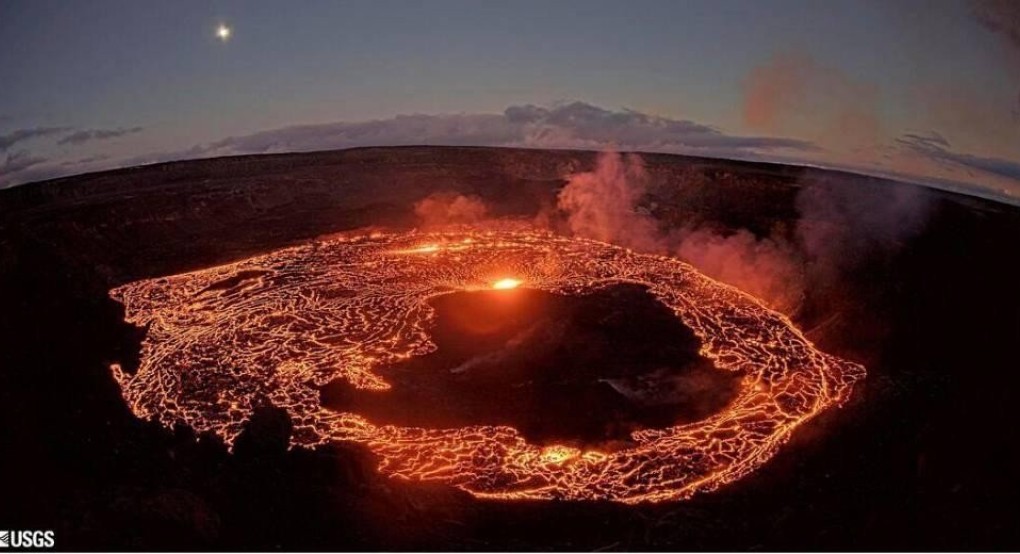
86,135
583,126
570,125
19,161
573,125
935,147
19,135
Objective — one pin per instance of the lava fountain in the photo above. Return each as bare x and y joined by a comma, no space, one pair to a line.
271,329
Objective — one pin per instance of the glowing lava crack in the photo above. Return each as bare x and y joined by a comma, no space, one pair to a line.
224,340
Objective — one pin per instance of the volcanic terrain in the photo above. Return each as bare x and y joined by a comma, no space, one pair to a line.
122,288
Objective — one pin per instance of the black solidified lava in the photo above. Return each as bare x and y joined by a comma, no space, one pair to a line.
584,370
925,456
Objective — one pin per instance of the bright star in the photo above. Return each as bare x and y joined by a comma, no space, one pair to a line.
223,32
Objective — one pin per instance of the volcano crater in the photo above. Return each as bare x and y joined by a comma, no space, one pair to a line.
584,370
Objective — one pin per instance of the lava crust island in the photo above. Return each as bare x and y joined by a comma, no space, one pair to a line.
276,328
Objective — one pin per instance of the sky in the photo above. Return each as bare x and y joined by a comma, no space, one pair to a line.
922,90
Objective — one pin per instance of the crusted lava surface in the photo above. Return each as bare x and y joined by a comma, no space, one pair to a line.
924,456
580,370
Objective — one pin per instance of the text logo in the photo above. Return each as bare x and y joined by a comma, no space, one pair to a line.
26,539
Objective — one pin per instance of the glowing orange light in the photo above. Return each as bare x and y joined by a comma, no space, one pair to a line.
558,454
221,340
508,283
423,249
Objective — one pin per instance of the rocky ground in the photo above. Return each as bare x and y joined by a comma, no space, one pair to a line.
925,455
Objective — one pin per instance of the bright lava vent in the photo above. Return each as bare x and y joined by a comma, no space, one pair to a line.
505,284
222,341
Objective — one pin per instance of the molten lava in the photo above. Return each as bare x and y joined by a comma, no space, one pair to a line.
271,329
508,283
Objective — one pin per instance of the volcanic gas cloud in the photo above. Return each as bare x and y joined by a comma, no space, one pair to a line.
271,329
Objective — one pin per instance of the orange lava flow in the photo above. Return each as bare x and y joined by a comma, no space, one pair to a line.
505,284
224,340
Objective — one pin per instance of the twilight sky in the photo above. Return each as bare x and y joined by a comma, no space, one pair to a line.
926,90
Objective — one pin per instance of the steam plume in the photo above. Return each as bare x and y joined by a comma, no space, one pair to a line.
768,268
839,226
603,204
447,208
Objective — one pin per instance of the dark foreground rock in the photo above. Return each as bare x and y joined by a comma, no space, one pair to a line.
925,456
